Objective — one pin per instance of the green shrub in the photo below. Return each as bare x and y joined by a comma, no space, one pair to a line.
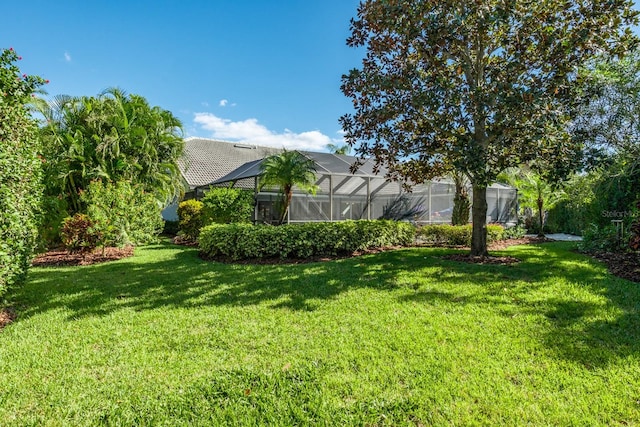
515,232
227,205
78,233
124,214
608,238
456,235
245,241
190,222
20,172
53,212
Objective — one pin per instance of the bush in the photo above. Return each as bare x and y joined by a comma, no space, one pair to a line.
53,212
190,222
244,241
123,213
20,172
78,233
607,238
227,205
456,235
515,232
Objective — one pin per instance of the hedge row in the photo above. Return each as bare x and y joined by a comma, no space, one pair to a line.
244,241
456,235
20,172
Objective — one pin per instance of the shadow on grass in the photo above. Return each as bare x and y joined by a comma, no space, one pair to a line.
169,276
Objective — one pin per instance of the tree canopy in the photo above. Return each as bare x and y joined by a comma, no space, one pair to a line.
111,137
607,117
473,86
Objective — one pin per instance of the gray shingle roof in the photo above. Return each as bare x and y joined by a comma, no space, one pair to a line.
206,160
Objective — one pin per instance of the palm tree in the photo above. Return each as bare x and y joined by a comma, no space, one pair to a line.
111,137
534,192
286,170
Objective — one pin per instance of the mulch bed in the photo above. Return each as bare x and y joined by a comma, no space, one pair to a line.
7,315
625,265
60,257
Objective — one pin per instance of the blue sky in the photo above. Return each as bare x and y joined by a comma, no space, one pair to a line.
266,72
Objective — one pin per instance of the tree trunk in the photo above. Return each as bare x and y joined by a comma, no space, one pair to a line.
288,194
479,218
541,216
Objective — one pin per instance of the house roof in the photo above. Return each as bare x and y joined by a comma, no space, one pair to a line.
206,160
326,164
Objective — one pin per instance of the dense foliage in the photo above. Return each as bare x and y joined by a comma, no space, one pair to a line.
227,205
190,219
124,214
456,235
473,86
244,241
112,137
608,124
118,214
79,234
20,171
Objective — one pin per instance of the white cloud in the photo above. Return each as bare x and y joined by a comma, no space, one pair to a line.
249,131
205,104
67,57
223,102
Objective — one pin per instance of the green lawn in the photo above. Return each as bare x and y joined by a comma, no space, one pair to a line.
398,338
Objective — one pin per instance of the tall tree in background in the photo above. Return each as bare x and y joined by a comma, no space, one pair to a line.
474,85
338,149
286,170
607,116
112,137
20,171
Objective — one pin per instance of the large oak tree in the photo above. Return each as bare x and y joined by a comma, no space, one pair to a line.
474,86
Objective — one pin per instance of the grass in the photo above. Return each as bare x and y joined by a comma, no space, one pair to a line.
398,338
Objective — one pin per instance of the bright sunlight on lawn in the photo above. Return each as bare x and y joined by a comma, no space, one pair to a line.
397,338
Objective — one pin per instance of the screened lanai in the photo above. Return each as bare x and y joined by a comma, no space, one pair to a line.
363,194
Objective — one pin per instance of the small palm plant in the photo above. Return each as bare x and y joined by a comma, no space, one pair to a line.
286,170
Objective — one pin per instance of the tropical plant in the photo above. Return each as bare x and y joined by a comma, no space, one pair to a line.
79,233
479,86
20,171
285,171
112,137
534,192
